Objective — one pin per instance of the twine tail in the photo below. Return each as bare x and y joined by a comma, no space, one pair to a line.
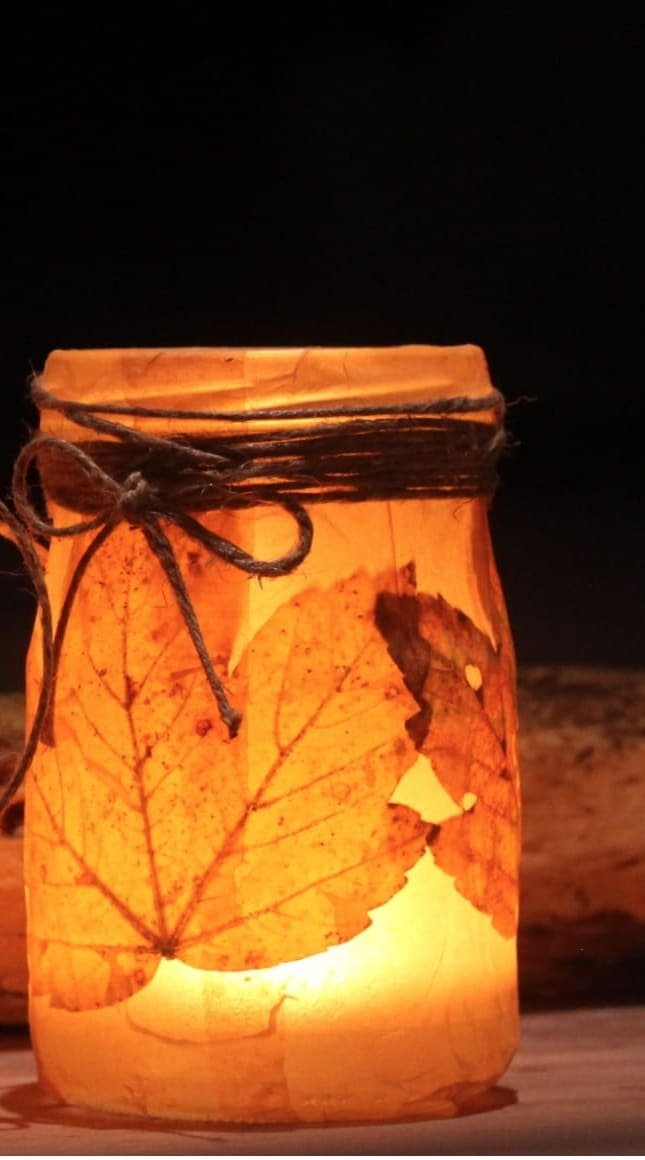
162,548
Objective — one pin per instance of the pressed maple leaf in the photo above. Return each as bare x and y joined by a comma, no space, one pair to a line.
153,834
464,725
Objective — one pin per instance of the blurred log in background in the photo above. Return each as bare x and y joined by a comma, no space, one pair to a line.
582,924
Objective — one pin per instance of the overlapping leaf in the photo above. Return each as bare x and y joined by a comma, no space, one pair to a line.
152,834
463,689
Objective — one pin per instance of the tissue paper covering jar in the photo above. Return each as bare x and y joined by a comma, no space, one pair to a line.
308,912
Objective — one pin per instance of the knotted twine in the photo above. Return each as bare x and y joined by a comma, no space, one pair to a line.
284,456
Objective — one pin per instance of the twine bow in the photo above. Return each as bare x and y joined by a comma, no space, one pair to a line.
142,505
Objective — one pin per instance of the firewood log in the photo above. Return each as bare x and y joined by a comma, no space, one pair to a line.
13,957
582,750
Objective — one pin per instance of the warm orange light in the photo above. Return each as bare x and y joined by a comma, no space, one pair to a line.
314,921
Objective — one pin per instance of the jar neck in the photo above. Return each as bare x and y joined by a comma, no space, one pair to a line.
241,380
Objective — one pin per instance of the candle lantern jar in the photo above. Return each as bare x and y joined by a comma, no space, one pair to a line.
307,914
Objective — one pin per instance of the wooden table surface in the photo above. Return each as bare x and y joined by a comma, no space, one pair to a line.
576,1087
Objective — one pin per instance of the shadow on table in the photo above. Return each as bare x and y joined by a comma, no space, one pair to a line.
27,1104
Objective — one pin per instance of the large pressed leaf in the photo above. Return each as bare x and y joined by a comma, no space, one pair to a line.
153,834
462,686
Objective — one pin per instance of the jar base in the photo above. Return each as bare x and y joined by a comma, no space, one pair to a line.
461,1099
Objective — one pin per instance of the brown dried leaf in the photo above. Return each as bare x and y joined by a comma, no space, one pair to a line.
463,688
153,834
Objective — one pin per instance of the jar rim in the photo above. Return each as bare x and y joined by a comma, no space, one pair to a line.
238,378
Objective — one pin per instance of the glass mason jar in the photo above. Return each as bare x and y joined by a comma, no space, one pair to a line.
314,921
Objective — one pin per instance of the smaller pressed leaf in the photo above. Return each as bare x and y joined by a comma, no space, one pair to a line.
459,681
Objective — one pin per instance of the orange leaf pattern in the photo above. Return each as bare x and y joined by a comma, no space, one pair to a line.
152,834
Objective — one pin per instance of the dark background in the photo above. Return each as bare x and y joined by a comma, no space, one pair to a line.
465,176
